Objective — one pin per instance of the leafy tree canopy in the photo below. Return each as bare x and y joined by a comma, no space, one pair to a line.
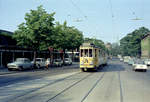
96,42
131,44
35,32
67,37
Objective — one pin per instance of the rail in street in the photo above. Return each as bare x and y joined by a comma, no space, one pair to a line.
113,83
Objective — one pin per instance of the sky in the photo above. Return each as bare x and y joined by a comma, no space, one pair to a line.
107,20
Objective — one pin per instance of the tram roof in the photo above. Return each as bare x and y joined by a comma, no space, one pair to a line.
89,45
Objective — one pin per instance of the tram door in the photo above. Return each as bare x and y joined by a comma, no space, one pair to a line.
96,59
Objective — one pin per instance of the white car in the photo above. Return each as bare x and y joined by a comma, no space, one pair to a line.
40,62
140,66
57,62
121,59
20,64
68,61
147,62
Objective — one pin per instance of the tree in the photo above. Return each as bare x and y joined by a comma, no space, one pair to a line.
131,44
67,38
96,42
36,31
115,49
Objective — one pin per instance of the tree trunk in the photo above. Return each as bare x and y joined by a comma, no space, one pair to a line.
64,56
72,56
51,58
34,59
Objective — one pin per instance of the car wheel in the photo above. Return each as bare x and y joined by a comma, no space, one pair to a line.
60,65
9,69
31,67
21,68
38,66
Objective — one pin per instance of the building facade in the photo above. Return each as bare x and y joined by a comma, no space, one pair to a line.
145,46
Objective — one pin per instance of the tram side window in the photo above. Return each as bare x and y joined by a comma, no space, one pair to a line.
81,52
90,52
95,53
86,52
99,52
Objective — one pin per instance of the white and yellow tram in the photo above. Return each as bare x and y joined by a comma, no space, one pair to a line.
91,57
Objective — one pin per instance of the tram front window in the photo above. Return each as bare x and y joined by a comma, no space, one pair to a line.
81,53
86,53
90,52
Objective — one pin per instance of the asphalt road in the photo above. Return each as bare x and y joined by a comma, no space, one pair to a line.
113,83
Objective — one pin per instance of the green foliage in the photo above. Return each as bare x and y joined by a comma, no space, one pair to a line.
39,32
96,42
115,49
131,44
36,30
67,37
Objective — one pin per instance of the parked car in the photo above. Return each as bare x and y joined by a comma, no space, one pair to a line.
131,62
126,59
48,62
68,61
121,59
139,65
57,62
20,64
147,62
40,62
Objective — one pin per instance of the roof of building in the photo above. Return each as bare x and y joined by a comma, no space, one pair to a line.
145,36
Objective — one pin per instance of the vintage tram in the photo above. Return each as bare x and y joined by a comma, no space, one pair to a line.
91,57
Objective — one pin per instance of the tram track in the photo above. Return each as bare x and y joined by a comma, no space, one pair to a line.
121,90
95,84
19,77
22,78
34,90
120,82
109,89
73,82
77,82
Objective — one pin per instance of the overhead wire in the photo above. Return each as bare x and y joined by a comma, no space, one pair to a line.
112,17
111,9
77,7
138,13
